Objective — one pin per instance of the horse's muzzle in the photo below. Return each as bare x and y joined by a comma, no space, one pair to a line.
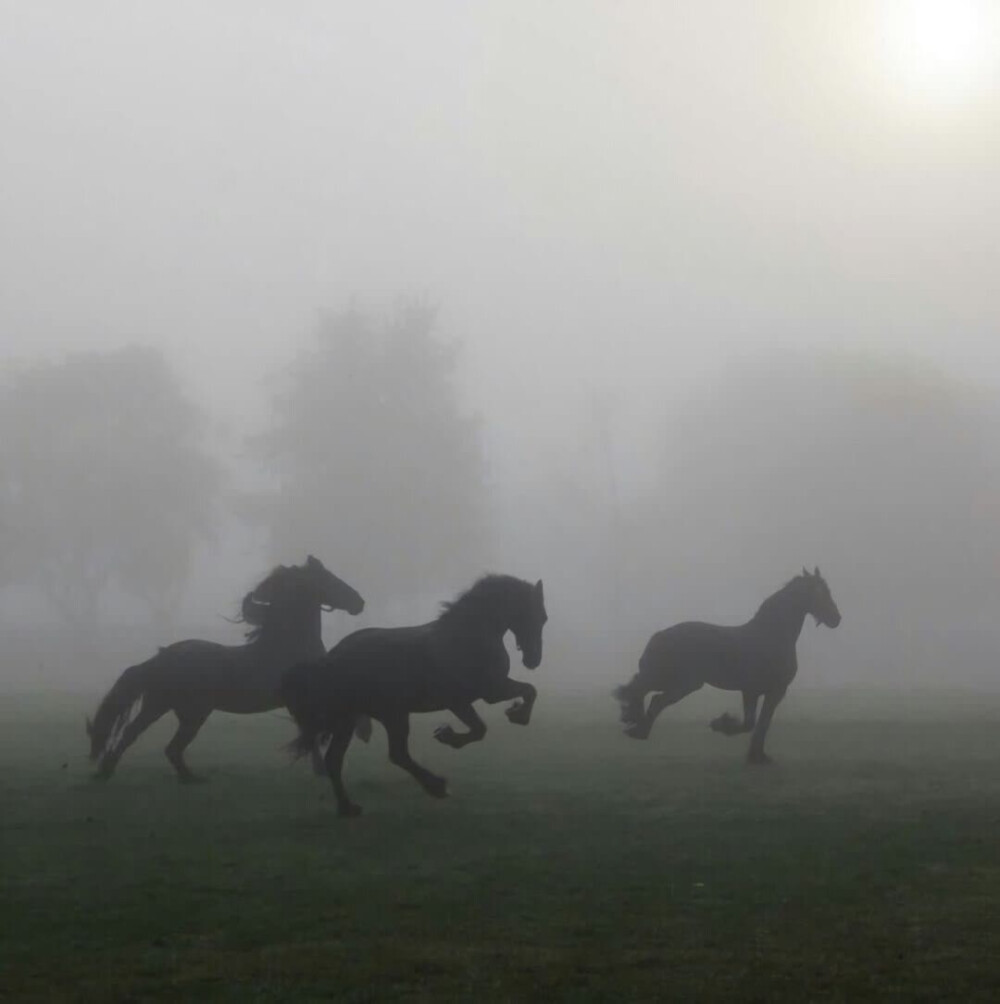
531,660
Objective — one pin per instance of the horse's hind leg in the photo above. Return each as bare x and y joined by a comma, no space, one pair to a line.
727,723
756,754
397,726
363,728
340,739
317,759
671,694
190,724
148,714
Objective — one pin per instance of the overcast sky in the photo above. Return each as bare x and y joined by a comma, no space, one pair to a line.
598,194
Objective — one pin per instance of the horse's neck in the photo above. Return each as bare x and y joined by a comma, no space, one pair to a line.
483,624
784,613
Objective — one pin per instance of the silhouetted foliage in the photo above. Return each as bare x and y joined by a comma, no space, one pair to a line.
103,479
377,468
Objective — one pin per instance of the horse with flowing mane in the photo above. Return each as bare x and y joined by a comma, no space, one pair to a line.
194,678
389,673
757,658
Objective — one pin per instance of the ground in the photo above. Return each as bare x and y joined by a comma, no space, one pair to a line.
570,863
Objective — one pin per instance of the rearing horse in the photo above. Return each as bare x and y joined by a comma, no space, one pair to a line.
194,678
757,658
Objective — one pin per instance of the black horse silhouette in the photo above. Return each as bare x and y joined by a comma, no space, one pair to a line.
388,673
757,658
194,678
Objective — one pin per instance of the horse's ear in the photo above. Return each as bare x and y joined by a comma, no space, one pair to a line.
816,573
540,590
311,561
805,571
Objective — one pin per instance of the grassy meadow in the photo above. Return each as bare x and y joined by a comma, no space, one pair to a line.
570,863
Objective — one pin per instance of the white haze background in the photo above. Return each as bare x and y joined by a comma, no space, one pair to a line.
666,235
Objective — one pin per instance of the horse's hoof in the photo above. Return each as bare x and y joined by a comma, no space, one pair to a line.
191,779
102,775
348,810
636,732
759,760
726,724
437,788
518,714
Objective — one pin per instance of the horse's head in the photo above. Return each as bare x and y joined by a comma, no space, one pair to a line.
294,591
527,620
819,601
330,592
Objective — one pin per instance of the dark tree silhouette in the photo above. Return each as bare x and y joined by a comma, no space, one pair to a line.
103,479
375,464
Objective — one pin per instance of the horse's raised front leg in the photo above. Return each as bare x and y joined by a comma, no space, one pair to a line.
467,715
727,723
397,727
756,754
524,694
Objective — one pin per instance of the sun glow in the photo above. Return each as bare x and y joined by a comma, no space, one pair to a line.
939,50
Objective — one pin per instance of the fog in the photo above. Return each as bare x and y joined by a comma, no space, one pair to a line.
717,282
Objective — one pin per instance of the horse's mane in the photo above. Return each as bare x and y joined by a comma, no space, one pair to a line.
779,597
256,605
489,591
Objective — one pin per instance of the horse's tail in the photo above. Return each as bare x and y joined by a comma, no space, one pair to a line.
297,696
115,710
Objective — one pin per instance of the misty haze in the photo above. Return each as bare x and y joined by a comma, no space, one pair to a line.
318,316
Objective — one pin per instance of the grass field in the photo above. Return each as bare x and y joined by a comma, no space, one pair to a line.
570,863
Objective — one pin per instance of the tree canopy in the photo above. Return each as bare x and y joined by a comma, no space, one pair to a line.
376,465
103,480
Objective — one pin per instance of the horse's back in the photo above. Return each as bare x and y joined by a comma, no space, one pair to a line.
374,669
706,652
224,677
381,639
693,633
193,648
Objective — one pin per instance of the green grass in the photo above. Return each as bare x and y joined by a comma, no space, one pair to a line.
570,863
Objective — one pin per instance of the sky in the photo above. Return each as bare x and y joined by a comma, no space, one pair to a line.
609,201
597,194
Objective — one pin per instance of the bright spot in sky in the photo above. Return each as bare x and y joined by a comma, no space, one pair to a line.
939,50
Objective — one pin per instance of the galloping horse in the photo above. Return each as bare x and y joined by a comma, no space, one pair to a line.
757,658
194,678
388,673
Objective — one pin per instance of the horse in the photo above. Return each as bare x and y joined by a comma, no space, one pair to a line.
390,673
194,678
757,658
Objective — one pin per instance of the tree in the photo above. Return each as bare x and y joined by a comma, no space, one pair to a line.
103,480
376,466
